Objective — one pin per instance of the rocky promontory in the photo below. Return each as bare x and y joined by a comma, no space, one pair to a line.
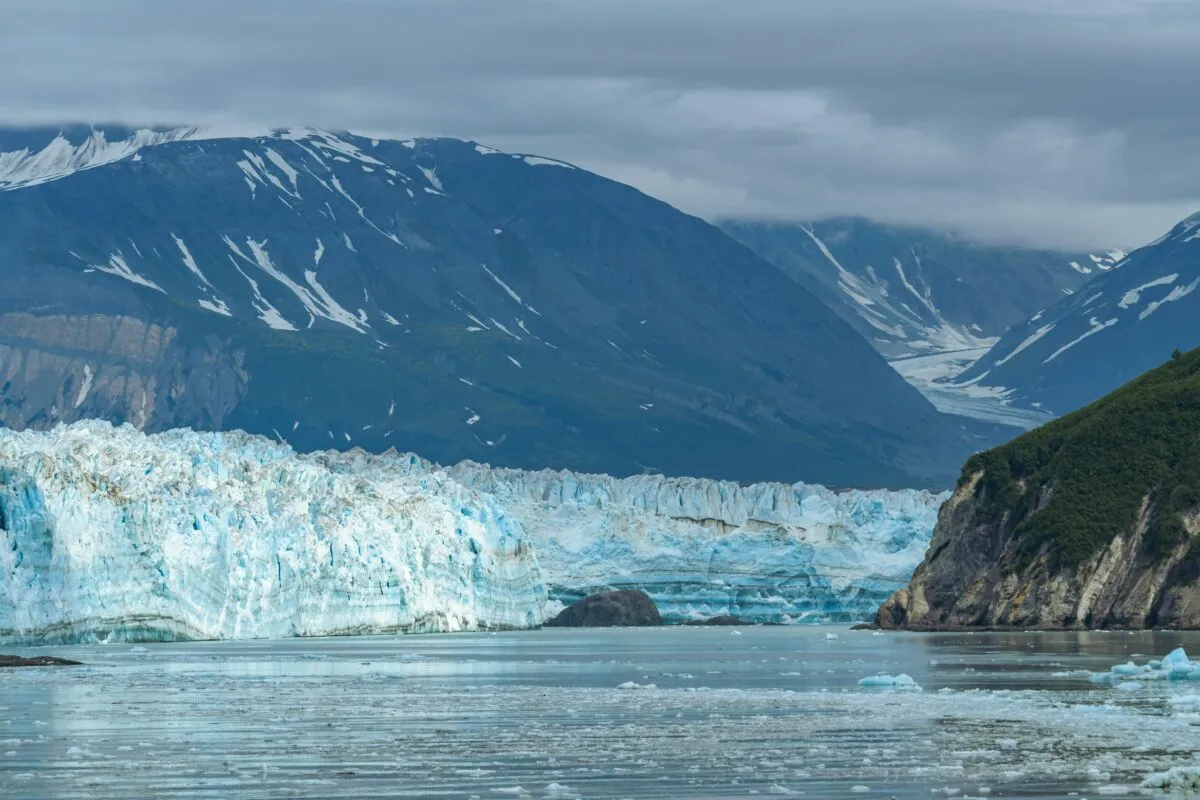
1091,521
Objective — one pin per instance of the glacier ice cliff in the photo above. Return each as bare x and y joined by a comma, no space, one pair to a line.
110,534
768,552
106,533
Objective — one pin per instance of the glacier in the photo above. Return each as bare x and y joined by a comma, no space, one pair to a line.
113,535
110,534
768,552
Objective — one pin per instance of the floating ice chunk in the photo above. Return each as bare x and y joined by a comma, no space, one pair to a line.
777,789
1177,664
1174,666
1129,686
901,682
860,789
1183,780
1186,702
1006,744
831,637
559,792
630,685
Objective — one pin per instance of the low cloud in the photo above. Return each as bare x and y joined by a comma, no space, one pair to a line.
1060,123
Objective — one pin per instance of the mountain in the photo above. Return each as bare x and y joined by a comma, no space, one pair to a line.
437,295
1091,521
1083,346
109,532
913,291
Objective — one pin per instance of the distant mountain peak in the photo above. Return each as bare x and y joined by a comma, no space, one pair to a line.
1119,325
69,152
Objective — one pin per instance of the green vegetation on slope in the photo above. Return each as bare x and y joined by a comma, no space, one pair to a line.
1098,464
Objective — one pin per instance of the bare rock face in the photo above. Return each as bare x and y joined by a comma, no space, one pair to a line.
59,368
973,577
624,608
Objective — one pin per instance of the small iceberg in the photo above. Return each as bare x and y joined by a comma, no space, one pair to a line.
1175,666
900,682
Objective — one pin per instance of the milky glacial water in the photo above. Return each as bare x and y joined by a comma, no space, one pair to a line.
735,713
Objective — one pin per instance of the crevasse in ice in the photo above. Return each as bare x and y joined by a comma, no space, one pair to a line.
108,533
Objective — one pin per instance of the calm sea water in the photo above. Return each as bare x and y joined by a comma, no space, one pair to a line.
734,713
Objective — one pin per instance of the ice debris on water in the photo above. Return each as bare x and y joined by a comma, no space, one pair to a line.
901,682
1183,780
1186,702
632,685
831,637
1175,666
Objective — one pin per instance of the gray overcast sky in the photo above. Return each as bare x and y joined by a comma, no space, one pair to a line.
1071,123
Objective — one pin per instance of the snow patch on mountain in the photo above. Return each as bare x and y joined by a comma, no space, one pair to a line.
915,332
61,157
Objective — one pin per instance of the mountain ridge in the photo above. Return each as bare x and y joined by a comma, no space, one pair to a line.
1082,347
912,290
332,290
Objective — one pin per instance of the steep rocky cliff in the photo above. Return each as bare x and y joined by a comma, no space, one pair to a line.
1092,521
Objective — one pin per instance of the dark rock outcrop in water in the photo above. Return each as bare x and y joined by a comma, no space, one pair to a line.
38,661
623,608
1092,521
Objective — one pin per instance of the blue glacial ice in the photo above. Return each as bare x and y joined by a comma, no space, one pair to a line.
1175,666
109,533
769,552
902,682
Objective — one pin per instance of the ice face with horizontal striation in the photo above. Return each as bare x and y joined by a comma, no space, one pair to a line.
106,533
768,552
109,533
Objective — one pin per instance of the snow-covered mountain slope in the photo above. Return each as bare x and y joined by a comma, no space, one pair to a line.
111,533
1120,325
914,291
106,532
436,295
29,157
937,376
700,548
